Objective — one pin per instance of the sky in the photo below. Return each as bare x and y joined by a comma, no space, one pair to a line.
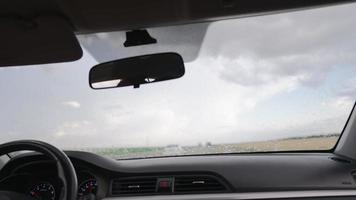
251,79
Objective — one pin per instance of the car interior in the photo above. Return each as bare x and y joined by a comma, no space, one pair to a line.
60,60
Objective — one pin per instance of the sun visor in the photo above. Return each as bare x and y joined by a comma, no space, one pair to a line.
40,40
185,40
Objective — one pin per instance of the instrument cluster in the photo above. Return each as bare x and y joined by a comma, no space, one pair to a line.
45,190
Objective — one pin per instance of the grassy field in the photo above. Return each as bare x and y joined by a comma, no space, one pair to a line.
289,144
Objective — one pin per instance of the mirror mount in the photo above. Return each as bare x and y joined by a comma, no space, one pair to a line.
138,38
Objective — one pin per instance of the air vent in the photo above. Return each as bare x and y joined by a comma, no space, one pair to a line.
353,174
132,186
197,184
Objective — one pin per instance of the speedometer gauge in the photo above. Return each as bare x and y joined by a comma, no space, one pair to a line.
87,187
43,191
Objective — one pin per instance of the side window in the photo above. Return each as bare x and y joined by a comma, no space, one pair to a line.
3,160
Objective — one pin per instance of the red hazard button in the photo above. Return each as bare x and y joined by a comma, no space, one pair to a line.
165,185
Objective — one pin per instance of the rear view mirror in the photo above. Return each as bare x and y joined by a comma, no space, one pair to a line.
138,70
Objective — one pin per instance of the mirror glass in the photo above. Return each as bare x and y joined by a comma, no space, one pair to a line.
137,70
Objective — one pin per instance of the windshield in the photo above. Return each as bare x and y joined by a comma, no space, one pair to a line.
283,82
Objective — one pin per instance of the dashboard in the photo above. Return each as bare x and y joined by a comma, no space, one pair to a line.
258,176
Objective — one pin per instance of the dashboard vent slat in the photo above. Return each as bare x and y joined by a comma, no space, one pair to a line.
132,186
193,184
178,184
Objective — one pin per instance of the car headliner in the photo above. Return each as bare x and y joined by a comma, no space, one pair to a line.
87,16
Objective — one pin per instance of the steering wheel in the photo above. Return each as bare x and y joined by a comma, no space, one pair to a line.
65,169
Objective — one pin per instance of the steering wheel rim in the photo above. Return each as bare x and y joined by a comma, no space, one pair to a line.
66,171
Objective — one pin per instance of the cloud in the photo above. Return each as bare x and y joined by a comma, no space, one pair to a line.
349,89
73,104
344,95
73,127
296,45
